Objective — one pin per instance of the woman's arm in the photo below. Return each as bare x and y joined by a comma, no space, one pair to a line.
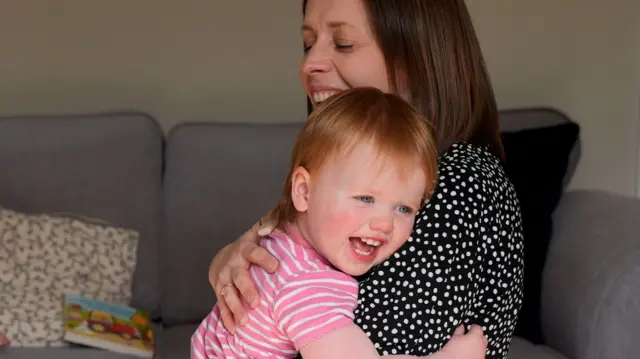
352,342
229,274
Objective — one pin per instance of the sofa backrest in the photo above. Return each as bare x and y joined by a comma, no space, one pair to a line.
105,166
219,180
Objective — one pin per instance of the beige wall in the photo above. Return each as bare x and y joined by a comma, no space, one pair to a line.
176,59
580,56
211,60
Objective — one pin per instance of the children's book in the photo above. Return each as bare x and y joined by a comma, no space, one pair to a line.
107,326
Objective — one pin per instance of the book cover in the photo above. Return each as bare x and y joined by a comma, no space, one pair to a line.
107,326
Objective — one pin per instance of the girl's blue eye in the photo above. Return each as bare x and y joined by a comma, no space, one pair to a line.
405,209
365,199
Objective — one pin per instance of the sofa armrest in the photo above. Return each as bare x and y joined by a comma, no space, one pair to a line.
591,281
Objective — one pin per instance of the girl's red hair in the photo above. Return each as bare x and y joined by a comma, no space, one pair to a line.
363,115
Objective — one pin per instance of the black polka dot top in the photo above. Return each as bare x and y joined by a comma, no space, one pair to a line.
462,264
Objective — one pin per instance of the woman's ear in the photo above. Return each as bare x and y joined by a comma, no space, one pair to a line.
300,184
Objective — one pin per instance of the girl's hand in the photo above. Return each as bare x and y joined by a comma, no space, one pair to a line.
229,274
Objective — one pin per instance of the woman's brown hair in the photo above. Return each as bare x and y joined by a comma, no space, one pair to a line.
395,129
432,51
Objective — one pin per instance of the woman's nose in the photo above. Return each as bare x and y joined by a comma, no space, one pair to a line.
317,60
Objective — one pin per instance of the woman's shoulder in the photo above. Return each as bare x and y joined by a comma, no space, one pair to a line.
473,191
467,156
465,160
467,169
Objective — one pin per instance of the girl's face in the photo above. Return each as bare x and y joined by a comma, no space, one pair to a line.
358,208
340,50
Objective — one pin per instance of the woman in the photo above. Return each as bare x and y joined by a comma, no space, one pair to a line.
463,263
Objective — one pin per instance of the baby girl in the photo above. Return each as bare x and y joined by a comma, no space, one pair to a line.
361,168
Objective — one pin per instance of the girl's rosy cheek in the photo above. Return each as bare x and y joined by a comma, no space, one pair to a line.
346,219
406,227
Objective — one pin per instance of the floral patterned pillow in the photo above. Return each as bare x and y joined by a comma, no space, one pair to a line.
44,256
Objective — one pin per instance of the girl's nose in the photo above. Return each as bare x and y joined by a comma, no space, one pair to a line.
382,224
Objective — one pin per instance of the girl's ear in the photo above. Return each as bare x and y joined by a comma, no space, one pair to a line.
300,184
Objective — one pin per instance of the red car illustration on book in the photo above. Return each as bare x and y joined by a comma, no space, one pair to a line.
101,322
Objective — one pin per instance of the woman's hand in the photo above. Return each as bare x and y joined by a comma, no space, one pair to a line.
470,345
229,274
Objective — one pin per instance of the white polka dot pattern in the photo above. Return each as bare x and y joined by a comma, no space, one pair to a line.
462,264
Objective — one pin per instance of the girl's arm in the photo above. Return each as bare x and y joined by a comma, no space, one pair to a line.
315,311
350,342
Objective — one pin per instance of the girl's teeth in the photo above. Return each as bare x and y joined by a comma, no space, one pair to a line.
371,242
363,253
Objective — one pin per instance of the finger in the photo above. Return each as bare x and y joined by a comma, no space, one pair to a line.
265,229
214,275
459,331
234,303
224,277
245,286
476,330
260,256
267,224
227,318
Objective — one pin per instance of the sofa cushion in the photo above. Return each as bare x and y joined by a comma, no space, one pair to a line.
219,180
175,342
43,256
61,353
536,162
105,166
522,349
32,319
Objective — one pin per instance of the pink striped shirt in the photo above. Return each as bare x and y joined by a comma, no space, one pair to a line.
304,300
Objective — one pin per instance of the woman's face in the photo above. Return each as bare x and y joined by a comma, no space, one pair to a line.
340,50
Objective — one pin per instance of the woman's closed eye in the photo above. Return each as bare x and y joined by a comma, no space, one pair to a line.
307,45
339,47
344,47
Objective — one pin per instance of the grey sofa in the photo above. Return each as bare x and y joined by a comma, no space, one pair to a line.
201,185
